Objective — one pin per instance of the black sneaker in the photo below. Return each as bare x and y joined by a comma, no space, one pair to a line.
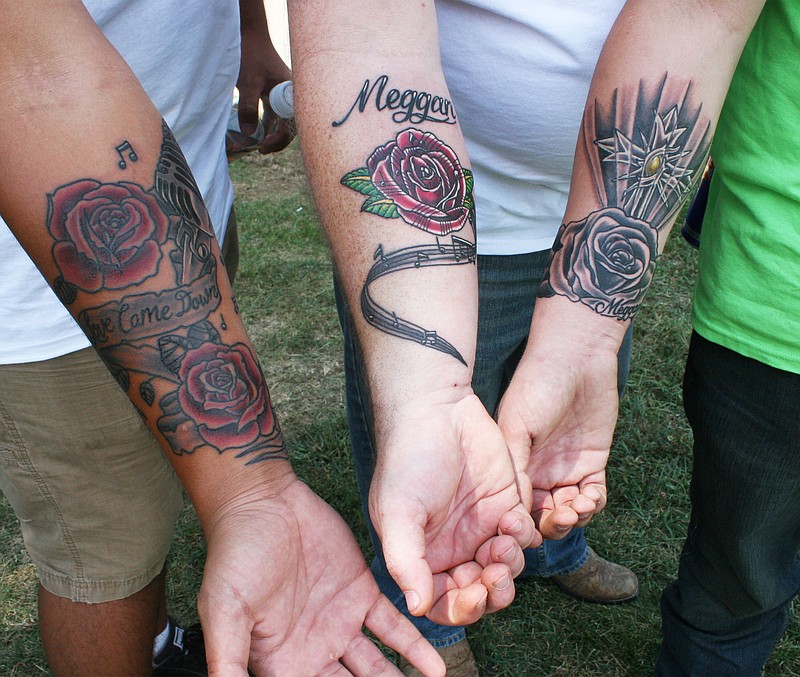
184,655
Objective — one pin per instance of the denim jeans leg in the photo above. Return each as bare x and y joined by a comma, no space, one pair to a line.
506,298
739,567
359,419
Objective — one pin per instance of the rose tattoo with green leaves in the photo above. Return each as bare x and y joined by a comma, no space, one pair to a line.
417,179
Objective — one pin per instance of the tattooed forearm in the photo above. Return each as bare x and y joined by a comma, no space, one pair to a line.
459,251
162,332
645,152
409,106
419,180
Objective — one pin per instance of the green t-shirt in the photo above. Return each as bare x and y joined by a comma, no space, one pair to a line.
748,290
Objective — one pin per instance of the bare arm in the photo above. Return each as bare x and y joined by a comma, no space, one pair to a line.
102,199
650,115
107,207
391,179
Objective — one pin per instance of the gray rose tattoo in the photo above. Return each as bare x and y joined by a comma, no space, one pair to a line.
605,261
644,150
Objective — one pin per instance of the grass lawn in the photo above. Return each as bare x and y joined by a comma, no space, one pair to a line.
284,290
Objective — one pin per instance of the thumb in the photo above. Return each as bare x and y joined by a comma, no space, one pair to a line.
515,429
226,635
403,542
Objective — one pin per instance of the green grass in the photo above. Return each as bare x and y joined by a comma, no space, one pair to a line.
285,295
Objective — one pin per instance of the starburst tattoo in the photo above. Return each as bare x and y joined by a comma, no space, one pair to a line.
644,150
652,168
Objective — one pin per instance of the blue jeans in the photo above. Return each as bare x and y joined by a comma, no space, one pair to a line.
739,568
507,293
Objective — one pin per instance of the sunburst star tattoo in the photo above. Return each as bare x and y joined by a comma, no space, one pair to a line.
652,168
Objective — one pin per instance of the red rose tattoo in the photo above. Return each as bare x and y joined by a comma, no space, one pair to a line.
108,235
222,392
605,261
417,178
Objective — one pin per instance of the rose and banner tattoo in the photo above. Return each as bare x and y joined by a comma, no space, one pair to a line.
117,236
419,180
643,172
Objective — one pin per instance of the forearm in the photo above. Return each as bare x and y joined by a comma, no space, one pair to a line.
650,116
262,66
392,183
261,69
103,201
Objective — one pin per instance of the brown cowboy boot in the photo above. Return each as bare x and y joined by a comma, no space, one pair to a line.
599,580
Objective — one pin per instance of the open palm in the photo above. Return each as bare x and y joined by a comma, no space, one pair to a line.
287,590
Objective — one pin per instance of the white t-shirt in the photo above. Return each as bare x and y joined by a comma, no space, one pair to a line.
519,72
186,55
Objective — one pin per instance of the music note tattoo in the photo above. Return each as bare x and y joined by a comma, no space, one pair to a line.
132,156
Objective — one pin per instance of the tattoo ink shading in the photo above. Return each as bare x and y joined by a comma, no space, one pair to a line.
178,192
162,344
419,180
643,173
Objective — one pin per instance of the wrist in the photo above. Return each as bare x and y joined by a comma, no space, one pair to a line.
416,382
401,422
561,326
224,492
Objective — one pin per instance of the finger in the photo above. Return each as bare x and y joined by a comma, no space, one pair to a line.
278,139
362,657
248,112
519,524
466,581
499,549
460,576
397,632
499,583
227,639
404,551
458,605
524,487
555,524
507,551
596,491
585,508
585,502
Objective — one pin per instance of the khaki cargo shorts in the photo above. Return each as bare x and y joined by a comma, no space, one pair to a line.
95,496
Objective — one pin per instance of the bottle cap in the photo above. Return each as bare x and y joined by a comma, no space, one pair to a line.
281,100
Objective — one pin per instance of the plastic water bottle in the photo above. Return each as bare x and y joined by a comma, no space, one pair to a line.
236,141
281,107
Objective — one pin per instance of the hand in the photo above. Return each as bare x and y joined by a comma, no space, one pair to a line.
558,418
286,586
261,69
443,489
